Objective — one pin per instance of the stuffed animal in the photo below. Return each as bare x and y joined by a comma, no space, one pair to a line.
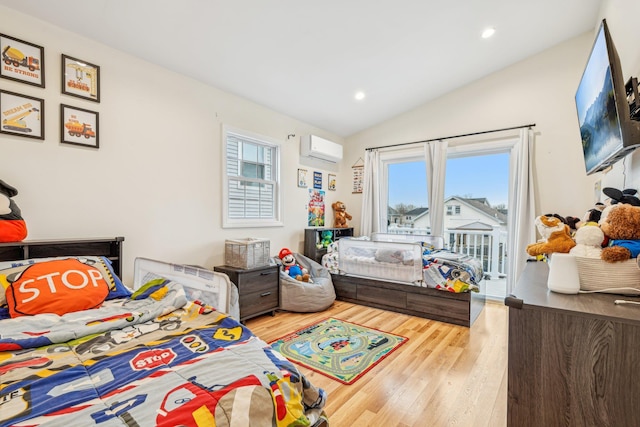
627,196
556,237
340,215
12,225
588,240
292,268
622,227
327,238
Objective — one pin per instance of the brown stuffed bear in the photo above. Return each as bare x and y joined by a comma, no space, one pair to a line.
622,227
340,215
556,237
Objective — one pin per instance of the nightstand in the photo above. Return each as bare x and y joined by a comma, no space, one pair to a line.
258,289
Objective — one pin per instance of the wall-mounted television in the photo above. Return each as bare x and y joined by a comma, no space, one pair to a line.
606,127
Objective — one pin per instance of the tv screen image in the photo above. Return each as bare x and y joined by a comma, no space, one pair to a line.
596,104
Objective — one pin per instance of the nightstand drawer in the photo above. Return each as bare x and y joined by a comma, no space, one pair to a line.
257,281
259,302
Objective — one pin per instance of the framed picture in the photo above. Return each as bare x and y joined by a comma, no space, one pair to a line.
302,178
317,180
22,115
332,182
80,78
79,126
22,61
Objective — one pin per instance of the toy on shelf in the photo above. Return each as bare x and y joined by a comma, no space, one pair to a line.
340,215
327,238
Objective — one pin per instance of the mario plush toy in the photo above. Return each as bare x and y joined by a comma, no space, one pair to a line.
12,225
292,267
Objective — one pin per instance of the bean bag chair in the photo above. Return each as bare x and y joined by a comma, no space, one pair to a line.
306,297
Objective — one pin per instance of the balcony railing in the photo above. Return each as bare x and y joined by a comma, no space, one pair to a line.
488,246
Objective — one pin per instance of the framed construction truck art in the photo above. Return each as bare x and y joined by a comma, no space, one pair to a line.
21,115
79,126
80,78
21,61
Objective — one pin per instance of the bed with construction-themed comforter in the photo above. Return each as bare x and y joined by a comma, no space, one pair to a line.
154,357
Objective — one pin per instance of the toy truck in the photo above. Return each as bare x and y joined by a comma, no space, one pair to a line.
12,56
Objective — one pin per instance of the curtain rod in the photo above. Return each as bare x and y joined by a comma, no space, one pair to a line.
450,137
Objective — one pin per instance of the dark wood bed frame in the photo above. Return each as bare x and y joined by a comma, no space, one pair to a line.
107,247
460,309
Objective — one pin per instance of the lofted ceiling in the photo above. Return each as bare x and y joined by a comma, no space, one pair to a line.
307,59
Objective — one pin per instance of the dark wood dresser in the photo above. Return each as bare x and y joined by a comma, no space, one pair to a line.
574,360
258,289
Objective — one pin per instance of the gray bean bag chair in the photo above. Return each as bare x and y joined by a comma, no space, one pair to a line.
306,297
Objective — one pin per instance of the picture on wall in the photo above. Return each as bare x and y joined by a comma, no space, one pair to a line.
316,208
22,115
79,126
80,79
302,178
21,61
332,182
317,180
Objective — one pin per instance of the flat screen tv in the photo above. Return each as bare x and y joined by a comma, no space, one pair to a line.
607,130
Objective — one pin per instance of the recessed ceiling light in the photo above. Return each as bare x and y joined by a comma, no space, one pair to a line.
359,95
488,32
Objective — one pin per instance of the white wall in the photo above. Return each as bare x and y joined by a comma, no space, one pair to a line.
156,179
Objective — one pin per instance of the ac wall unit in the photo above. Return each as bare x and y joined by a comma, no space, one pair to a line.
320,148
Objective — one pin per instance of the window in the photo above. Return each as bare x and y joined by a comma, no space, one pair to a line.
251,180
453,209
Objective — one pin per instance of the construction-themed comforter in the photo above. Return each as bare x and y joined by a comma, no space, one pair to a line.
160,360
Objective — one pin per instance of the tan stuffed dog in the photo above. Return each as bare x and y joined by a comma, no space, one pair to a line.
340,215
622,227
556,237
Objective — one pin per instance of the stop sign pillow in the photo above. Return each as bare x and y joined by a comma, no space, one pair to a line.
59,287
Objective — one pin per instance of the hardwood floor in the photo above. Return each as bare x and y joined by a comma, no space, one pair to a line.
444,375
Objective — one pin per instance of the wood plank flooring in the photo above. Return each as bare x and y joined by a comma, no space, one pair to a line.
444,375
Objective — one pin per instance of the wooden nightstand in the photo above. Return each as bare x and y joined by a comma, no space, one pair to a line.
258,289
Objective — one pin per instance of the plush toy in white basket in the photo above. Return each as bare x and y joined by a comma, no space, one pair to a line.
589,240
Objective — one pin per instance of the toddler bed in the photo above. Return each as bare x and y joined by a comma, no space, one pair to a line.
408,274
158,356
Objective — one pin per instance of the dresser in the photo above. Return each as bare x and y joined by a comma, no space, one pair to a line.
574,360
258,289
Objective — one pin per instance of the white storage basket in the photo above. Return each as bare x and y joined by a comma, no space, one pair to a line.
246,253
597,275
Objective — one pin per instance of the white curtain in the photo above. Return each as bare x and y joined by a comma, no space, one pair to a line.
435,157
521,215
371,209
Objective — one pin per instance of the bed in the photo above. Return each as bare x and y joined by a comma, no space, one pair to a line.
409,274
161,355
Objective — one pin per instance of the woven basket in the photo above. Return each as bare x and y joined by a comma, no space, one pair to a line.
614,278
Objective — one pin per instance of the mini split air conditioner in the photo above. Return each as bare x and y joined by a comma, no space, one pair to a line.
320,148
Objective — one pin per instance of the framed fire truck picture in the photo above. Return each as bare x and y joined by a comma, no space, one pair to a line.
79,126
21,61
80,78
21,115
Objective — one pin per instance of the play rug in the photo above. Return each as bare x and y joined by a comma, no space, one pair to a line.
340,350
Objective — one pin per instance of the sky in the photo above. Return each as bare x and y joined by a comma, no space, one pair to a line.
479,176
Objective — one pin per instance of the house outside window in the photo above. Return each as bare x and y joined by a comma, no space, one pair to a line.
251,180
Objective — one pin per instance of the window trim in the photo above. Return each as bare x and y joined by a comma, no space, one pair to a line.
228,222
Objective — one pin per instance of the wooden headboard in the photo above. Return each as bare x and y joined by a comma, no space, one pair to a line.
108,247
